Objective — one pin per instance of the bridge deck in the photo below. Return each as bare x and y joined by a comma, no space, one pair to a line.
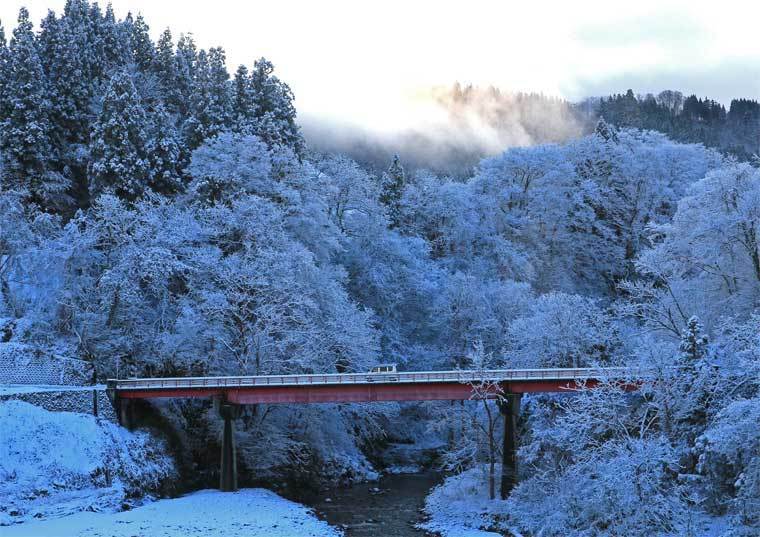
366,387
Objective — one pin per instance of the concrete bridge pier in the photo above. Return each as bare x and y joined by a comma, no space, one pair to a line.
228,477
125,413
510,409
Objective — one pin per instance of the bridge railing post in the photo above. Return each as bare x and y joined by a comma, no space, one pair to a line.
510,409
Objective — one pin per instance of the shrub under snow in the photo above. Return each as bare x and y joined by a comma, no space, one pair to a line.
460,506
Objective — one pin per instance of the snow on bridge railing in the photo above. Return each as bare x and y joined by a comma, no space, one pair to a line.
416,377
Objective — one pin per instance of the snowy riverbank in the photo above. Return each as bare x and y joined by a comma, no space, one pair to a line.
460,507
58,463
70,475
247,513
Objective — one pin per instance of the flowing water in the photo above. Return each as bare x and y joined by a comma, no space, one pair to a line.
388,508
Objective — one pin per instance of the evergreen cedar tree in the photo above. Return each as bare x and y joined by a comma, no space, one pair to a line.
89,104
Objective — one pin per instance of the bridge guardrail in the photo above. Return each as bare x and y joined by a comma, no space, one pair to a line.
496,375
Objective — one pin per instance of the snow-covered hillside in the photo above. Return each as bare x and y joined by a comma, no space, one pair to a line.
58,463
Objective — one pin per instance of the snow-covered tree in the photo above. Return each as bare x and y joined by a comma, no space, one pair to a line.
164,149
211,101
707,254
470,309
391,189
563,331
230,165
244,103
119,160
112,44
352,200
624,488
604,131
25,132
729,460
534,199
16,238
60,45
185,69
274,110
143,51
165,68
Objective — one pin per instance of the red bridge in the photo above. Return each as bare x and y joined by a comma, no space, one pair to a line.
367,387
504,385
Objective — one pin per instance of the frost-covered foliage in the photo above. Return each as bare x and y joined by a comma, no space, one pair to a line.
118,153
53,464
324,442
25,120
461,508
596,464
708,254
243,283
160,218
730,461
89,104
630,491
559,330
686,249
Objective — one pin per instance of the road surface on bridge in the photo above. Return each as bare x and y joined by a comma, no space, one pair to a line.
371,387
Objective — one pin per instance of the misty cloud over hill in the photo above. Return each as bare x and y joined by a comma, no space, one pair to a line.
460,126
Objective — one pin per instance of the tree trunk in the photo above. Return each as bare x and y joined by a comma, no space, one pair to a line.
491,453
114,307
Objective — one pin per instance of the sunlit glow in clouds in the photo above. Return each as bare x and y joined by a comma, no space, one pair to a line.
368,63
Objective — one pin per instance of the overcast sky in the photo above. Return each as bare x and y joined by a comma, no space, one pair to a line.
369,63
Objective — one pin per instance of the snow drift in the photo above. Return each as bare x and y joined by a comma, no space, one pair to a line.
247,513
53,464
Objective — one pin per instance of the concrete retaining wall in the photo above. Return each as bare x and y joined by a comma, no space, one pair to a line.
22,364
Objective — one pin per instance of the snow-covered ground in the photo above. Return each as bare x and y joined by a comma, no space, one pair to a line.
247,513
460,507
57,463
15,389
64,474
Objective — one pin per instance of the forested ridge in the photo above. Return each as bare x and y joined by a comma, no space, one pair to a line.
90,104
482,121
159,217
735,131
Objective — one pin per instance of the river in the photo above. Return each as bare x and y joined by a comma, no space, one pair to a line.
389,507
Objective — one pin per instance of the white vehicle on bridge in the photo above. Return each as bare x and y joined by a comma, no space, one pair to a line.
384,372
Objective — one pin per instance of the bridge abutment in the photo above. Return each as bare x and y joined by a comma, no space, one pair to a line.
510,409
228,476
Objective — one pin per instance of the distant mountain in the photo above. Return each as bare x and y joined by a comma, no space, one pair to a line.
735,131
